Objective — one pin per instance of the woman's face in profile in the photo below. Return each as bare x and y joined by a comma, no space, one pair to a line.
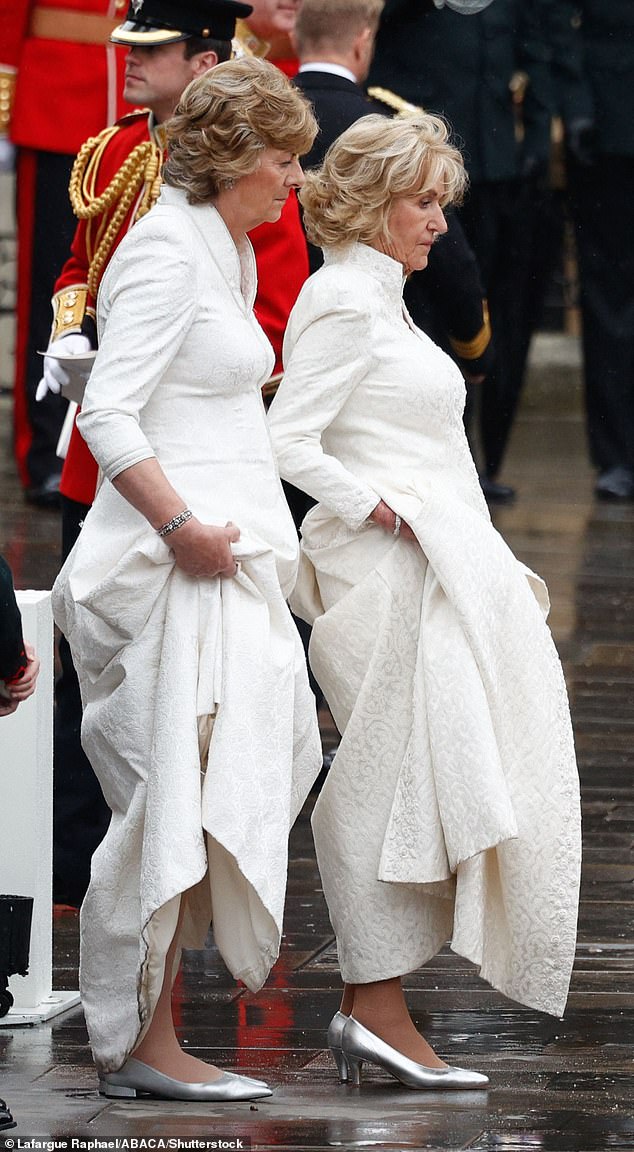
414,222
262,194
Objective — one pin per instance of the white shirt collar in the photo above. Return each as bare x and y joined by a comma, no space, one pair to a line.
334,69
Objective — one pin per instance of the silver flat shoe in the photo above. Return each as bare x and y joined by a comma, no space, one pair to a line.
138,1079
359,1045
335,1032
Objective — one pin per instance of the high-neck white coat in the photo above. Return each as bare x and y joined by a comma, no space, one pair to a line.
452,807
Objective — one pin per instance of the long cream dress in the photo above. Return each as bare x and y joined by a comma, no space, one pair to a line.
451,811
162,657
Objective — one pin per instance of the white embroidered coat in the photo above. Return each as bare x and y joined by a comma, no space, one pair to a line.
178,375
452,807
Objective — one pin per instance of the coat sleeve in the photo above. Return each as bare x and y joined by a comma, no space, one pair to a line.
148,305
14,17
533,60
327,352
14,20
12,654
97,169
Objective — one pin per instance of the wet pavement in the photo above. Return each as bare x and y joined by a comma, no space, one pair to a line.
556,1085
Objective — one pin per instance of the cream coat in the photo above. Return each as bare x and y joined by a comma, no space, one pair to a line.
178,375
452,807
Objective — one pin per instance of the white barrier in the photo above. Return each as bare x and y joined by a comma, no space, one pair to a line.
26,820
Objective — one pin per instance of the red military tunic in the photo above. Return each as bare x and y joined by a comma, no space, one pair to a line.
282,260
77,284
68,77
60,82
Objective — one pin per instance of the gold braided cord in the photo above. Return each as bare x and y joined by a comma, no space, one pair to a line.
140,170
393,101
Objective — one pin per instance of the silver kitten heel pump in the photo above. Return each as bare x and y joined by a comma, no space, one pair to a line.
138,1079
335,1032
359,1046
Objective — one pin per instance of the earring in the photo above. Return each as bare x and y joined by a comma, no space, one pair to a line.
229,184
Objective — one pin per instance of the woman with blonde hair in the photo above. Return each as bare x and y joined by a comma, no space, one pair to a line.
451,811
173,599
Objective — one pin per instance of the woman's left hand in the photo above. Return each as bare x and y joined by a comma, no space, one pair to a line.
385,517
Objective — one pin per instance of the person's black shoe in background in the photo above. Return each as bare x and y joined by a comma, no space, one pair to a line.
495,493
46,494
615,484
6,1119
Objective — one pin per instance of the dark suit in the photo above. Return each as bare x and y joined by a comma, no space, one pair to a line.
593,54
446,299
338,103
461,67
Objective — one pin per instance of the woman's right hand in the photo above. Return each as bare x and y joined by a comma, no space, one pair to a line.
385,517
204,549
21,689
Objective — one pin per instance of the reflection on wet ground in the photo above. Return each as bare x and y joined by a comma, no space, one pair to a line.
556,1085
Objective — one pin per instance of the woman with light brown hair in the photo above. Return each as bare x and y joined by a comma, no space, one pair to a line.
173,599
451,811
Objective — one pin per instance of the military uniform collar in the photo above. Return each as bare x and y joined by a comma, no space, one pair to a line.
158,132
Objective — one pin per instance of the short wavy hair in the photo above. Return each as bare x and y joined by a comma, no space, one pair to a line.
374,162
224,121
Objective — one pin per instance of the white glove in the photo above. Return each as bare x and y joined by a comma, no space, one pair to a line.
57,375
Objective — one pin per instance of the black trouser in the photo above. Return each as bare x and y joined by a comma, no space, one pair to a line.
514,228
80,813
601,198
300,503
50,220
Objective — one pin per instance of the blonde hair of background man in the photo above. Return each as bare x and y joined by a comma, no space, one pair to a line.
334,23
224,121
371,164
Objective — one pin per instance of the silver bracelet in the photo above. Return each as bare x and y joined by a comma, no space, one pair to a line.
397,525
175,522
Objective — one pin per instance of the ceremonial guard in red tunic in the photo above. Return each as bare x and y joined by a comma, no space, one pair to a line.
60,82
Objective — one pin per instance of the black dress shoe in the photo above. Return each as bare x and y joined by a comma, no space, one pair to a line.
495,493
46,494
615,484
6,1119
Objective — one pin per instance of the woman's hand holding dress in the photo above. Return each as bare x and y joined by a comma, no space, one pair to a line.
204,550
199,549
385,517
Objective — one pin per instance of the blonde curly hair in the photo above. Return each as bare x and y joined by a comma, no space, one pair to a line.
224,121
373,163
